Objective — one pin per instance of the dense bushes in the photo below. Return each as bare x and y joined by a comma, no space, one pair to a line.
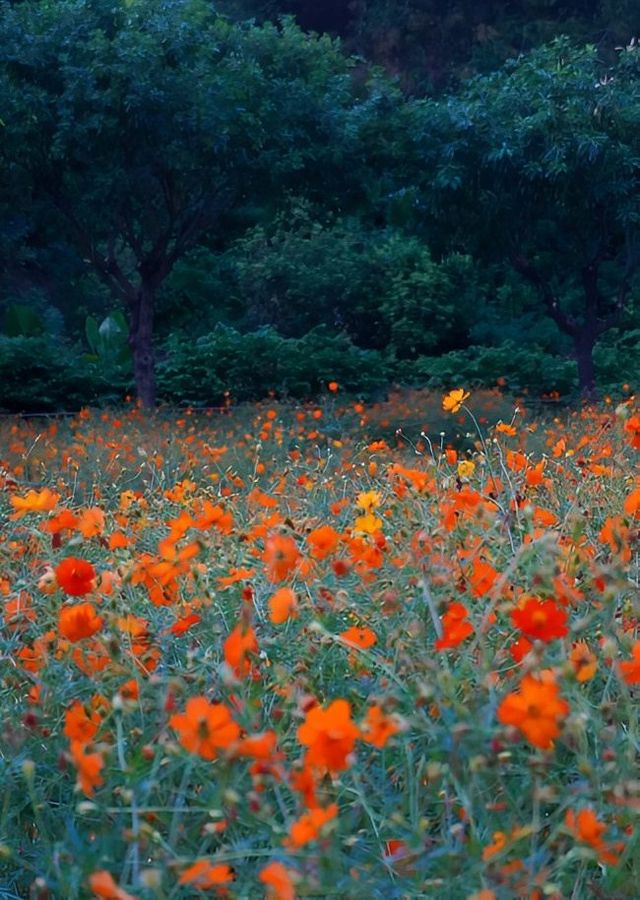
522,367
43,374
252,365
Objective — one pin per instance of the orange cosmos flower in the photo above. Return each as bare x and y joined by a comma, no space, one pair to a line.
34,501
91,522
89,766
277,879
308,826
632,504
79,621
540,620
378,728
64,520
78,726
237,648
184,623
632,427
205,875
455,628
482,577
360,637
631,669
520,648
76,577
322,541
103,886
535,709
452,401
205,727
281,556
282,605
584,662
586,828
330,734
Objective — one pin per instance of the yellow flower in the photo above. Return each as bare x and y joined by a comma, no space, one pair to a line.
368,523
368,500
452,401
466,468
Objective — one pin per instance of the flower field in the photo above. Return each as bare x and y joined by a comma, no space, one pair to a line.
328,651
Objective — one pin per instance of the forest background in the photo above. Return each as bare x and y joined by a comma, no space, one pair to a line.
254,196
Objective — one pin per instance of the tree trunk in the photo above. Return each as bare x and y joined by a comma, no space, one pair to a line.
584,343
141,341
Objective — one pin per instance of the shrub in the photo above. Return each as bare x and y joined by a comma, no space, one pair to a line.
252,365
522,367
42,374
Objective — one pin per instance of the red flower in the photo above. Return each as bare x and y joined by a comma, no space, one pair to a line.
76,576
540,620
455,627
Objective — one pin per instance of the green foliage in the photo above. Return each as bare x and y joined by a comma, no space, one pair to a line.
253,365
427,307
528,368
617,360
109,343
43,374
22,321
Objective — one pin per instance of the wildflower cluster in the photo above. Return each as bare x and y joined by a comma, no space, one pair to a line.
290,652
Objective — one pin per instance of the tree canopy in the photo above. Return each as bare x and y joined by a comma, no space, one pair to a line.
204,166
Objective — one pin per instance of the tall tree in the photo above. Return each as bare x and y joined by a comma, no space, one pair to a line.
136,127
539,165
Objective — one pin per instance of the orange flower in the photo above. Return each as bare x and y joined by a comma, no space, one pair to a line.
78,726
632,427
184,623
238,646
281,556
359,637
632,504
482,577
378,728
258,746
631,670
277,878
75,576
282,605
103,886
34,501
454,626
586,828
205,727
584,662
452,401
535,709
78,622
308,826
330,734
540,619
322,541
497,846
91,522
89,766
205,875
